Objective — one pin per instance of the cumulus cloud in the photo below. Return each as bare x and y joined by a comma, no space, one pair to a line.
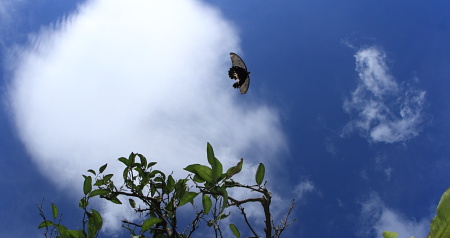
377,217
382,109
144,76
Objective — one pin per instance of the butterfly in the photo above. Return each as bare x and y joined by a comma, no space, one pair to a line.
239,72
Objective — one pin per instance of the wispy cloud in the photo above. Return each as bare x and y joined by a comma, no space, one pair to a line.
383,110
8,8
376,217
302,188
5,10
144,76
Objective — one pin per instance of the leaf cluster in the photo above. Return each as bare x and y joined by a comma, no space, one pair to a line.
157,197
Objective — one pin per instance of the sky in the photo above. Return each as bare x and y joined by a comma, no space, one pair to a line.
347,106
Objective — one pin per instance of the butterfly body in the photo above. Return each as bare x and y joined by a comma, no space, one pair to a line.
239,72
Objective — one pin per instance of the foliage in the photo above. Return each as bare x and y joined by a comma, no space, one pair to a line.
390,234
157,197
440,225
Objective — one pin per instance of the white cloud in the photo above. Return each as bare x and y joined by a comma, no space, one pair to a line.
303,188
383,110
143,76
330,147
388,173
377,217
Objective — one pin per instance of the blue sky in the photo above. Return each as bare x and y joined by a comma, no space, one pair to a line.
347,107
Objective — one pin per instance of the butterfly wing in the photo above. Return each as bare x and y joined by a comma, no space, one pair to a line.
245,85
239,72
237,61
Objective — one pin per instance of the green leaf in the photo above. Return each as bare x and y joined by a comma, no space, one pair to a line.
132,203
96,219
99,182
149,223
181,183
217,170
92,171
125,173
71,233
192,168
207,204
155,172
170,185
108,177
62,229
102,168
151,164
131,159
210,153
159,180
152,190
98,192
95,223
235,169
440,225
260,172
198,179
54,211
87,187
115,200
143,160
139,170
92,230
235,231
187,197
77,233
202,171
45,224
124,161
180,188
223,216
83,203
224,195
390,234
170,207
144,182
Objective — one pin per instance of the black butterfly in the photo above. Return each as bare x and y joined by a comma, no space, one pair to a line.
239,72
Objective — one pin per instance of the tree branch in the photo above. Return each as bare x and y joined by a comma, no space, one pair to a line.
238,203
280,229
266,205
194,223
246,220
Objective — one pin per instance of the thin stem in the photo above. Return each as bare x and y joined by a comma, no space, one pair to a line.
246,220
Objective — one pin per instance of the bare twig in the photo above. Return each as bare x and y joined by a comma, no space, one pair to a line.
246,220
53,230
131,223
41,213
279,229
194,223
